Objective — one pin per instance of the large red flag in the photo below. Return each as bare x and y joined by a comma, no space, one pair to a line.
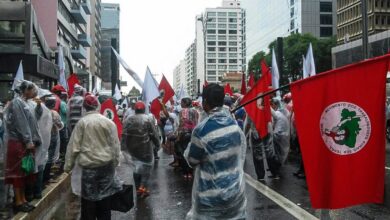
259,111
108,109
341,127
166,87
251,81
243,84
228,90
72,81
155,108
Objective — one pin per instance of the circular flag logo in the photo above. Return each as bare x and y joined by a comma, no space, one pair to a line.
109,114
260,102
345,128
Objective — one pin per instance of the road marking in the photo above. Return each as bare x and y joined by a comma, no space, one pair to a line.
283,202
387,168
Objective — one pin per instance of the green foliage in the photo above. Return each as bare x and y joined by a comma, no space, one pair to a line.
294,47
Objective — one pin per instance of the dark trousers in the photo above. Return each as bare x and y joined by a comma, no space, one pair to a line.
91,210
63,144
258,159
180,147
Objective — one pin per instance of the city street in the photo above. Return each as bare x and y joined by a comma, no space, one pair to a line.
287,198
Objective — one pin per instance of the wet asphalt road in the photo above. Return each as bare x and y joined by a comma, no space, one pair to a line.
171,196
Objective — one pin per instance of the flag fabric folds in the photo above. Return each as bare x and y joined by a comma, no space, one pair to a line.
72,81
108,110
309,67
251,81
149,89
61,65
259,111
275,73
133,74
166,87
19,77
243,84
117,94
228,90
341,127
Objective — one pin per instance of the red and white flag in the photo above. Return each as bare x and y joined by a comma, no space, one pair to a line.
341,127
108,109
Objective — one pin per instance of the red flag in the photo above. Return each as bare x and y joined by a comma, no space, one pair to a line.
155,108
265,70
108,109
341,127
166,87
260,110
205,83
228,90
72,81
251,81
243,84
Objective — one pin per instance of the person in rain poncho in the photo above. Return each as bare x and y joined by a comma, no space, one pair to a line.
75,107
95,149
281,131
217,151
54,147
139,138
23,138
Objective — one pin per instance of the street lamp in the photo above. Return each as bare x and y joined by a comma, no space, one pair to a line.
204,21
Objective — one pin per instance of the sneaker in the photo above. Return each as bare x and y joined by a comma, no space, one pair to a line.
274,177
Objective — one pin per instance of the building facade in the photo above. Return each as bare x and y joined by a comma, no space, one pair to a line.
110,38
349,18
268,20
95,50
190,77
179,74
221,31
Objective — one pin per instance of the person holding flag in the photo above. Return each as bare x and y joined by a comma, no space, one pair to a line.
75,107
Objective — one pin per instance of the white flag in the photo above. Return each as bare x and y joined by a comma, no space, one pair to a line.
305,74
310,65
19,76
117,94
127,68
61,63
275,73
149,89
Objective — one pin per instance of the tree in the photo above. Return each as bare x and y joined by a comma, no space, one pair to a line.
294,47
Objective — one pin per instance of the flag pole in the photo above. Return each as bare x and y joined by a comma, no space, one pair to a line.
260,96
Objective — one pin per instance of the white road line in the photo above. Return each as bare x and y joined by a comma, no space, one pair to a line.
283,202
387,168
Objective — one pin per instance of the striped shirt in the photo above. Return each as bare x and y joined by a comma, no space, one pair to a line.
217,149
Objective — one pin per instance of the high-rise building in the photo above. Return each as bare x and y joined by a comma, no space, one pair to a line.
267,20
190,79
179,74
221,31
66,23
95,50
110,38
349,19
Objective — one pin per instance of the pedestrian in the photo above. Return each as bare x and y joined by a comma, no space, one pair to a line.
75,107
130,111
94,147
23,139
217,151
139,138
188,119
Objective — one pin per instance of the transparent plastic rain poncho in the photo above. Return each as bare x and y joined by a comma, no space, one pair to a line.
139,138
281,135
217,152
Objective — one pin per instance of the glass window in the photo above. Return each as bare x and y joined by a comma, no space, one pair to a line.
221,61
232,20
211,67
222,43
232,43
211,55
222,67
233,49
211,49
211,37
232,37
211,25
212,72
291,2
222,55
222,49
211,31
325,6
232,31
211,43
232,26
326,19
221,26
222,20
221,37
232,55
211,60
326,31
221,14
232,14
221,31
12,29
233,67
211,14
211,78
232,61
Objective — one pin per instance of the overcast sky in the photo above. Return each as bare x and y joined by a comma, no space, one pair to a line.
156,33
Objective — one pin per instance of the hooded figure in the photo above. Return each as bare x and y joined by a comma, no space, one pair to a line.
75,107
139,138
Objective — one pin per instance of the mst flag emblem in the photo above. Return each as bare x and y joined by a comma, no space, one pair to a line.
345,128
109,114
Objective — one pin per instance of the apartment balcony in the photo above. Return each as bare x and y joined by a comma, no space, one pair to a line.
84,40
79,53
86,4
79,15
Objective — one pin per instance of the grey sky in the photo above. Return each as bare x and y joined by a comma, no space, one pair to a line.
157,33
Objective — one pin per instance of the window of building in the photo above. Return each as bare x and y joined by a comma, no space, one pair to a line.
233,67
212,72
222,43
211,37
213,67
291,2
211,55
221,31
292,26
211,14
222,49
211,31
211,78
232,31
232,26
222,26
232,49
211,49
221,61
222,55
232,14
326,19
232,43
325,6
211,26
211,60
292,12
326,31
221,14
221,37
233,61
222,20
232,55
232,20
222,67
211,43
232,37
